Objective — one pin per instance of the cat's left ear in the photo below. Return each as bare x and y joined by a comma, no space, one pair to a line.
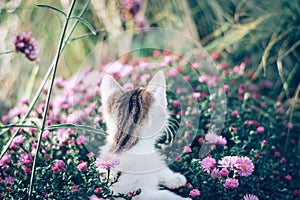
157,87
109,86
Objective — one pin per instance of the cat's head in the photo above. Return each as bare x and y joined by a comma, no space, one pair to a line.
135,114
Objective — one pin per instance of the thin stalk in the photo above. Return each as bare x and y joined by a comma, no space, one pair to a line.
292,107
7,52
37,94
48,99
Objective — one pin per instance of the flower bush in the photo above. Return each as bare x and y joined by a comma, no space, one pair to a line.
250,160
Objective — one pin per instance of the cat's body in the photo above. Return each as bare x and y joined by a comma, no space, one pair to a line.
135,120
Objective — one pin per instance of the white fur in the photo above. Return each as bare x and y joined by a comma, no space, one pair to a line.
142,166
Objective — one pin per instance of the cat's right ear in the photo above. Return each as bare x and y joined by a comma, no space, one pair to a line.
109,86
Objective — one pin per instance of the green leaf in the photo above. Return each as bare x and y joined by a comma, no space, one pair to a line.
52,8
86,23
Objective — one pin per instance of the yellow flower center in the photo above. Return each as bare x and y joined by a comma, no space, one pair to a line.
244,166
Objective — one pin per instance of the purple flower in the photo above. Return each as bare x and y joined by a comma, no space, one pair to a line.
9,180
17,141
215,173
5,160
27,45
231,183
131,8
82,166
250,197
246,167
229,162
223,172
208,164
107,162
62,136
212,138
195,193
81,140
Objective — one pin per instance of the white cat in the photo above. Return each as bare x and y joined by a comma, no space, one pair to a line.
135,120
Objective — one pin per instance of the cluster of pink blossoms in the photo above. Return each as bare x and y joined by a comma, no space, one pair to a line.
241,166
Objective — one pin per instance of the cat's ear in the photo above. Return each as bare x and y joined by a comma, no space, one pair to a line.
157,87
109,86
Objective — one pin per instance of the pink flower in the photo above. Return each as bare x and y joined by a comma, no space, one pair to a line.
54,169
187,149
229,162
208,164
212,138
260,129
107,162
288,177
81,140
8,180
25,159
195,193
197,95
5,160
296,192
74,187
223,172
231,183
94,197
46,134
17,141
215,173
178,158
59,163
264,142
176,103
82,166
246,167
250,197
290,125
235,113
27,170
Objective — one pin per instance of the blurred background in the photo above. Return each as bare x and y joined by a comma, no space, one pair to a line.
267,33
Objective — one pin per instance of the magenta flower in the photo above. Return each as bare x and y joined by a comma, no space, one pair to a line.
82,166
17,141
208,164
231,183
195,193
27,45
250,197
81,140
107,162
246,166
229,162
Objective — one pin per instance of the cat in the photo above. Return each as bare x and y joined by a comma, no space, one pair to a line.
135,119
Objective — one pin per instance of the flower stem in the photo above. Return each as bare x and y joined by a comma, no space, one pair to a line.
48,98
6,52
37,94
